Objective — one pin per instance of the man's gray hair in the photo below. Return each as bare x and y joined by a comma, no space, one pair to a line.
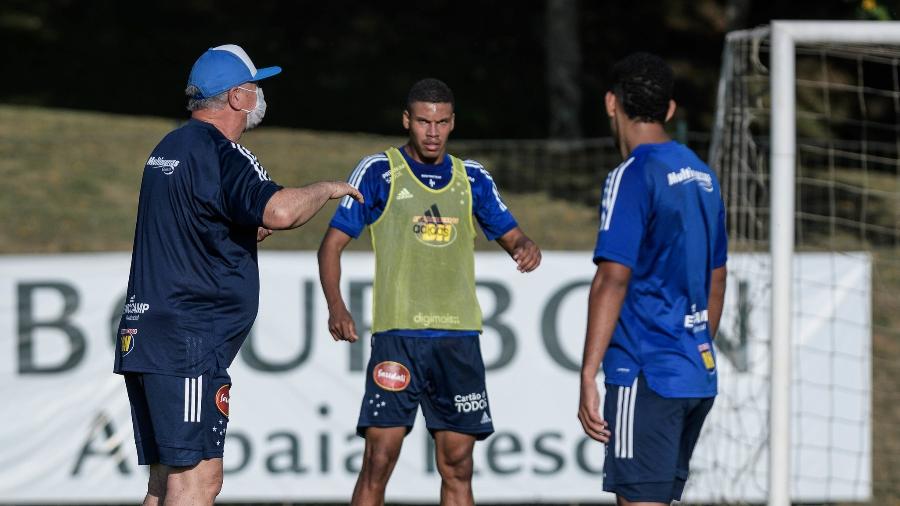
196,104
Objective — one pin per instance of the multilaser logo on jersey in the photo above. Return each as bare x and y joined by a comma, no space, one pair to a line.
432,229
688,175
167,166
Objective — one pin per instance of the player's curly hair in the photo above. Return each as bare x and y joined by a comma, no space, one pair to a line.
429,90
643,84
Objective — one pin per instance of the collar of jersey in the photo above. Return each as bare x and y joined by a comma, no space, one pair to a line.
446,166
653,145
203,124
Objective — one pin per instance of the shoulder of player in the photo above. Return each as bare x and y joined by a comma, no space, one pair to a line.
205,141
189,137
660,163
633,166
234,153
373,167
200,133
476,171
187,144
235,158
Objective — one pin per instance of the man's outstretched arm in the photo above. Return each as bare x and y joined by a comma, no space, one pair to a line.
522,249
291,207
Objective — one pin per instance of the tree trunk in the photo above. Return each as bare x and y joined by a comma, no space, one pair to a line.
563,68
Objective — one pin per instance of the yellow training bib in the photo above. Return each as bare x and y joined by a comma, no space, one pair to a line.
424,246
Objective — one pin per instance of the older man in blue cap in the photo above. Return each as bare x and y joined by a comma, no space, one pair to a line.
193,290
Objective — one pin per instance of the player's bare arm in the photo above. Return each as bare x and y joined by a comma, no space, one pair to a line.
716,298
522,249
291,207
340,322
608,291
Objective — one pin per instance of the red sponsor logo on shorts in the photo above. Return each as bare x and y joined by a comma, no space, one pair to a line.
392,376
223,395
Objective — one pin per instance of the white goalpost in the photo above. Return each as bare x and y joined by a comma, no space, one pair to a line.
807,146
785,35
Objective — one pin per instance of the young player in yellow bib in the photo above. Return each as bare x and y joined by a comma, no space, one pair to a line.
420,204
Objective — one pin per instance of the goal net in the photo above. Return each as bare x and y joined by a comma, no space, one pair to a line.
843,371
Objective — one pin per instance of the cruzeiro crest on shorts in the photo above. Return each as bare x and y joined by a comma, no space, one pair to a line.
432,229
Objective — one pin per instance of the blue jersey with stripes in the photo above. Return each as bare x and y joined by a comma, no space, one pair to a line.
372,177
662,216
193,290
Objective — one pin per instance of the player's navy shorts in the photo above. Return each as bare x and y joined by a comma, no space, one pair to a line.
443,374
179,421
652,440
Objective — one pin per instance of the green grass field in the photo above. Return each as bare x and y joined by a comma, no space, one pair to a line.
71,182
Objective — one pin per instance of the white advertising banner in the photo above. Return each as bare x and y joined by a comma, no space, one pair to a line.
65,428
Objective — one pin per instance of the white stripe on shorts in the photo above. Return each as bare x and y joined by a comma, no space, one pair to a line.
192,399
192,405
624,447
199,409
619,422
631,419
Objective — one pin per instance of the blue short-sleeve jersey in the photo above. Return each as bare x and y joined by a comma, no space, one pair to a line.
193,289
372,177
662,216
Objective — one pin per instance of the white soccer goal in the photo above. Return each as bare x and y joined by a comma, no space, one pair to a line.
807,146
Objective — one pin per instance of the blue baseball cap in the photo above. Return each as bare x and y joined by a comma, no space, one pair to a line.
221,68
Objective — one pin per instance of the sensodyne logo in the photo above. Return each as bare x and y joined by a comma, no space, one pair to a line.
687,175
167,166
467,403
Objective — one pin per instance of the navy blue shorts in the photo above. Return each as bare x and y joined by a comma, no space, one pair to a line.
652,440
179,421
443,374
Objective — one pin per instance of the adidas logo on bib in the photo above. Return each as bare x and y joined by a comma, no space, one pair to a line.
404,194
485,418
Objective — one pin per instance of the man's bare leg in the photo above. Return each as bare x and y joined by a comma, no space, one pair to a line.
381,454
184,486
156,485
454,462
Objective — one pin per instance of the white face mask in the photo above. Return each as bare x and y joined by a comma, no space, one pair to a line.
255,115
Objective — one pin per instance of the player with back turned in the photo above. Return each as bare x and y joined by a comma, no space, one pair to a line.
657,296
